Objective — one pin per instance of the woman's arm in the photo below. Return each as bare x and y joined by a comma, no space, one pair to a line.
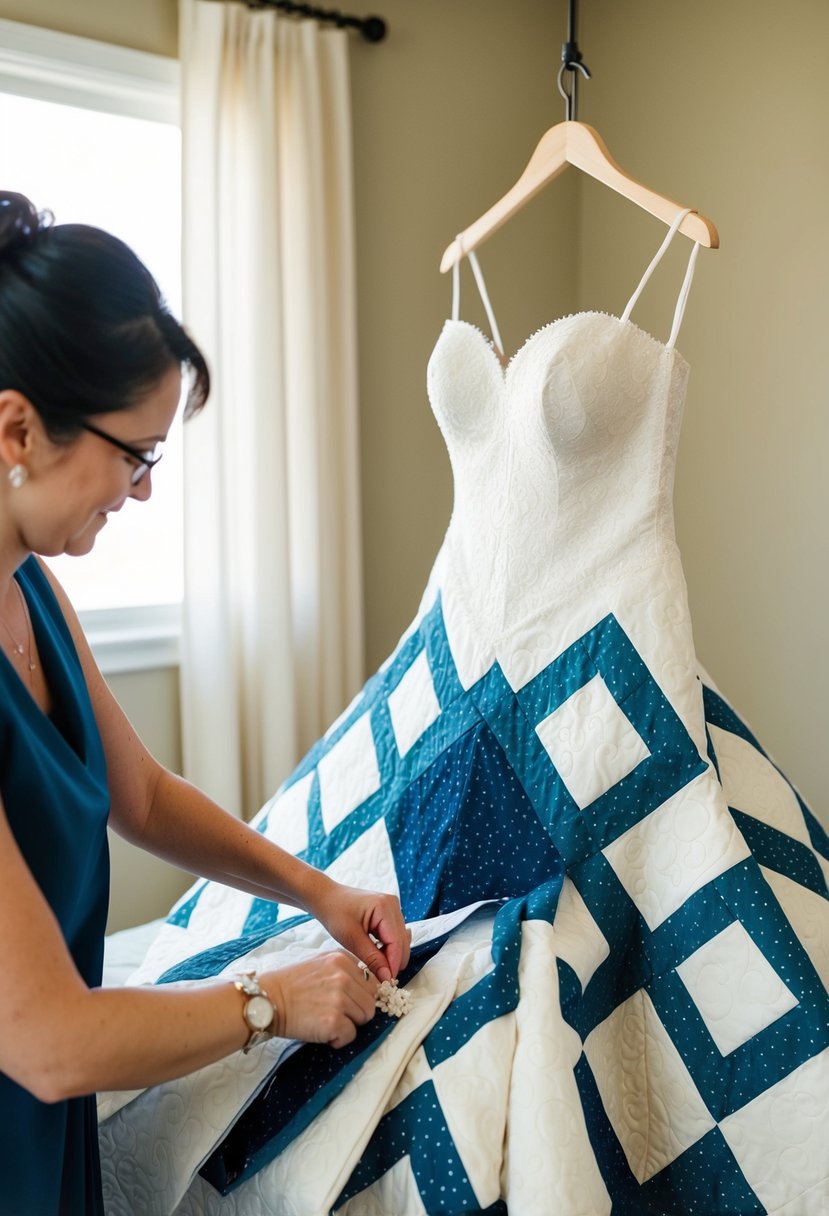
185,827
168,816
60,1038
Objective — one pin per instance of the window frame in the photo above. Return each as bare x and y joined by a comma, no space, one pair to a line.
49,65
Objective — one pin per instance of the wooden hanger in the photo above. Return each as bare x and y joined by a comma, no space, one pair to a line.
574,143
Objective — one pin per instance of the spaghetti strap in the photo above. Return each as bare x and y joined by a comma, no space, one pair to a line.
679,311
479,279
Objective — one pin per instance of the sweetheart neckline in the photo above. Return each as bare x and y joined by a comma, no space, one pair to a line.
505,368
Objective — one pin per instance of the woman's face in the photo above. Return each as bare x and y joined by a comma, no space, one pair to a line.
73,487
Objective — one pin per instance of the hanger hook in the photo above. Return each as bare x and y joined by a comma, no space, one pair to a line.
571,65
571,61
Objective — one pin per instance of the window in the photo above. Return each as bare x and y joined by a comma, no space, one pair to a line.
91,132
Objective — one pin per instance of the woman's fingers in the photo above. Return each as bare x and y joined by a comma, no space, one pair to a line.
390,929
368,923
379,935
323,1000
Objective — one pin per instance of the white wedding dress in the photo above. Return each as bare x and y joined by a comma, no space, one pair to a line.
620,904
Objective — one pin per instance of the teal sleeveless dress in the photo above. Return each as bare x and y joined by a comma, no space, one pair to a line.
54,787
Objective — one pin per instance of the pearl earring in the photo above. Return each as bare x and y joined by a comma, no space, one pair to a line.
18,476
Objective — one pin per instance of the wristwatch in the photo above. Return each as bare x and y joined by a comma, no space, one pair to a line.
259,1012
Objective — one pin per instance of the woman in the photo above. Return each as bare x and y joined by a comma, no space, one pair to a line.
90,379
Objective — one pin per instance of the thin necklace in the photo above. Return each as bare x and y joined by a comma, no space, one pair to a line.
18,646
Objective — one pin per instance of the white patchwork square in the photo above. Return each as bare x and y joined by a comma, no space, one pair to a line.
824,865
677,849
349,773
417,1071
172,945
368,862
578,939
413,704
473,1079
288,816
735,988
807,913
395,1191
217,906
591,742
346,713
752,784
646,1090
779,1140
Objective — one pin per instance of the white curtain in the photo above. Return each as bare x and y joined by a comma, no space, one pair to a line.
272,636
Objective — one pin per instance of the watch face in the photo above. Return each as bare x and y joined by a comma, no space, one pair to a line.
259,1013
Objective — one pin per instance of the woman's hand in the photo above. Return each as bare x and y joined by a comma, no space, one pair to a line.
321,1001
354,917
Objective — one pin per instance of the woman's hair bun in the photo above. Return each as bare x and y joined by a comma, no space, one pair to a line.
20,221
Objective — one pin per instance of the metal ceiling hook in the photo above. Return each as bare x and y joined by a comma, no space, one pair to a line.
571,99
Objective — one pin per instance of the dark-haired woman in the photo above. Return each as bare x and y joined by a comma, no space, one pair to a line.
90,379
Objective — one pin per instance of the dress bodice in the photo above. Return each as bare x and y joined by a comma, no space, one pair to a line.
563,461
579,429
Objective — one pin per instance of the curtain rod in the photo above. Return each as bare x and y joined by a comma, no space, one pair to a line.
373,29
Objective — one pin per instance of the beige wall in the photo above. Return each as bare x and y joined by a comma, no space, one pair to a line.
446,113
142,886
720,119
145,25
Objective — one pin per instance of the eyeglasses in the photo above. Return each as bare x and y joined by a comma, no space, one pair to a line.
145,460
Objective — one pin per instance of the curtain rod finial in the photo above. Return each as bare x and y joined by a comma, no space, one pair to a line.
373,29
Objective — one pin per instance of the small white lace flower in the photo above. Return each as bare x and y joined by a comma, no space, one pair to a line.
393,1000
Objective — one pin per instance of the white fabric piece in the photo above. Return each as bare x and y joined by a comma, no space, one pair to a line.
578,939
648,1095
547,1147
673,852
272,641
473,1087
305,1173
591,742
348,773
413,704
683,296
752,784
806,912
124,951
369,854
288,816
793,1113
734,987
230,905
